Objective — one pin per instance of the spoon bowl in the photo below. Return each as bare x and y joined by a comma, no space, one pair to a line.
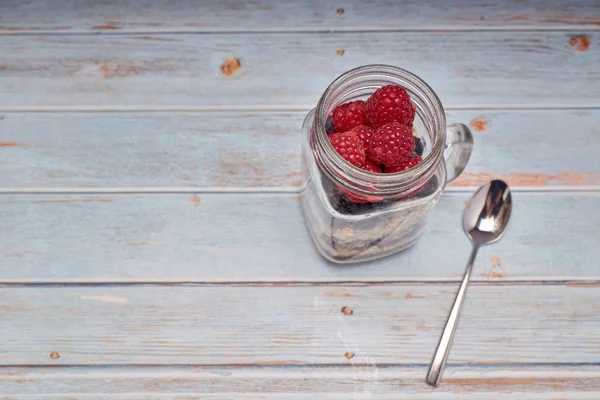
484,221
487,214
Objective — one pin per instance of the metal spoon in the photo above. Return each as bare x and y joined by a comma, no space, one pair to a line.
484,222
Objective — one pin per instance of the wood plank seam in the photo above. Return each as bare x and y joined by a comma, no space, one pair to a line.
101,108
261,190
283,30
162,282
260,366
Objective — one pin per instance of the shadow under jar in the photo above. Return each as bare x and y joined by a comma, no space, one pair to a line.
398,204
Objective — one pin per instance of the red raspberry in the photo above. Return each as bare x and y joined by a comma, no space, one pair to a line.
389,103
348,116
354,198
364,133
408,163
367,166
371,166
359,199
391,144
350,147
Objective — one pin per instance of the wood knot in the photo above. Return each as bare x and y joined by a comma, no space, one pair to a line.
196,200
349,355
54,355
109,26
230,66
410,295
478,124
579,43
497,270
347,310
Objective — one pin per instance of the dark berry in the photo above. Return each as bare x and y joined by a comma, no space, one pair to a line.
419,146
429,188
329,125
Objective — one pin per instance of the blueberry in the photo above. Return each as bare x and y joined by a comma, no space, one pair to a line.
336,198
329,125
419,146
347,207
342,205
430,187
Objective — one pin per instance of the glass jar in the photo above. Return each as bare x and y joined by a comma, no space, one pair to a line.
389,211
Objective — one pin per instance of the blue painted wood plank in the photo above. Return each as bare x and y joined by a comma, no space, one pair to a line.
215,325
262,238
230,149
255,150
359,381
292,15
283,71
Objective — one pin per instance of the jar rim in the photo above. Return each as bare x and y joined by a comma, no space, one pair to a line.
366,182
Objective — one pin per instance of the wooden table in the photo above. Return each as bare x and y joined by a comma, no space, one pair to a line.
151,241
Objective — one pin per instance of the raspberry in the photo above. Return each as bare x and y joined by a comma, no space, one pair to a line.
359,199
364,133
389,103
349,146
354,198
407,163
391,144
371,166
348,116
367,166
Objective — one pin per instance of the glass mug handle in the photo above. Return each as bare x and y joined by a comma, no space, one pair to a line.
459,145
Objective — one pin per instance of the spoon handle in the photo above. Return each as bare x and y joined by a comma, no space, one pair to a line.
441,354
